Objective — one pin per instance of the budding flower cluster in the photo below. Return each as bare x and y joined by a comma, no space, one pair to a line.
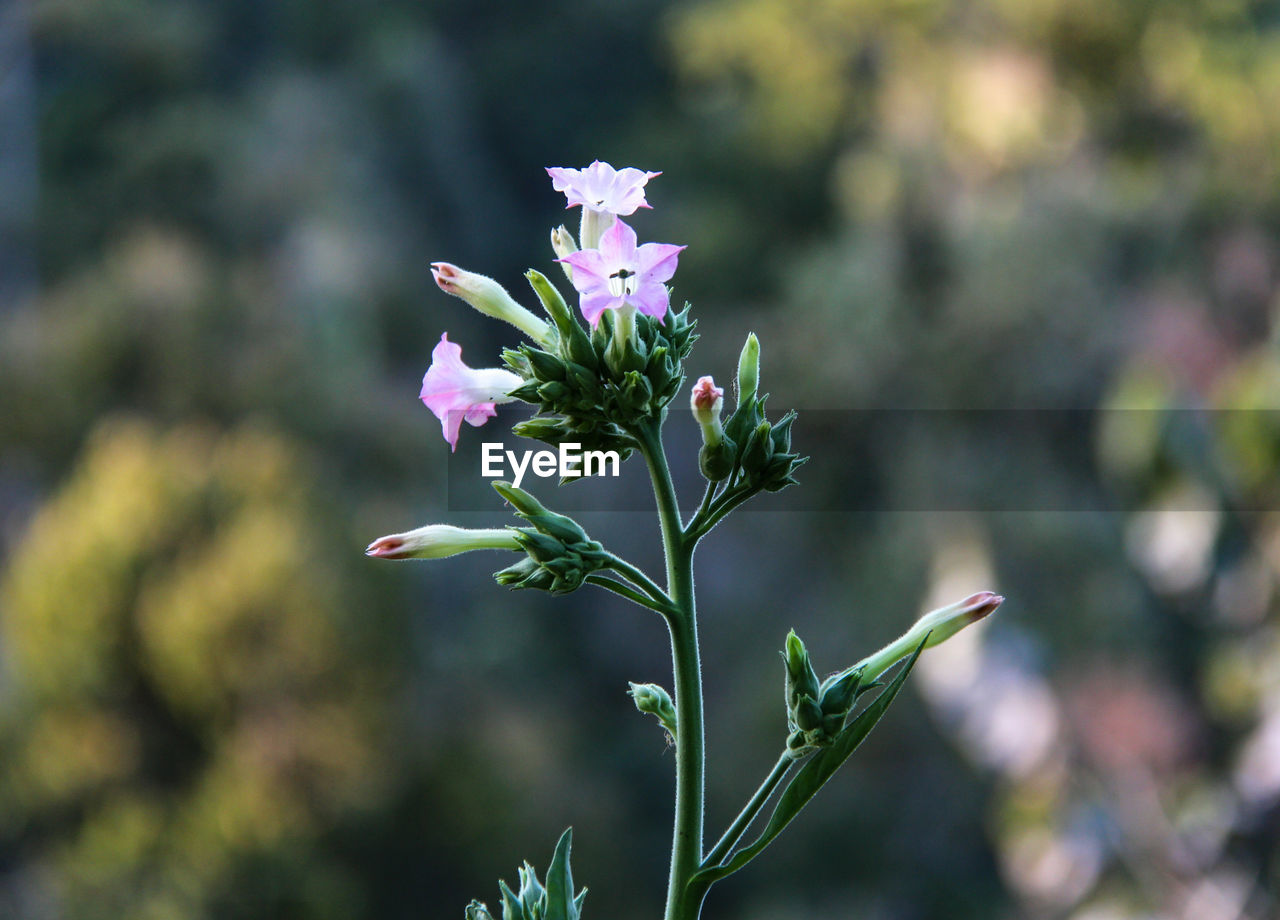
560,555
816,711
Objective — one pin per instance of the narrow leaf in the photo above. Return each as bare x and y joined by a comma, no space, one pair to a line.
813,776
560,904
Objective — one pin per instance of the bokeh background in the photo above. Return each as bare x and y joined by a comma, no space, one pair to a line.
216,220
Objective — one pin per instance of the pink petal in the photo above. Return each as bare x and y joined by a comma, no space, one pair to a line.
596,302
618,245
589,270
651,300
657,261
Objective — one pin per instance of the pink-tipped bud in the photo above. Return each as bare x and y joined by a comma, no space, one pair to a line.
489,297
934,628
707,400
436,541
980,606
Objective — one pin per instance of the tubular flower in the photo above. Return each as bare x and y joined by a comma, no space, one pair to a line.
600,187
620,274
453,391
487,296
436,541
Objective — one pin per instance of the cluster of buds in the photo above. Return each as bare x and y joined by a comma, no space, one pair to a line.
816,711
534,901
591,385
748,449
560,555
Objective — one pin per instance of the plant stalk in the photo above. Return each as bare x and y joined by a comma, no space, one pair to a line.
686,846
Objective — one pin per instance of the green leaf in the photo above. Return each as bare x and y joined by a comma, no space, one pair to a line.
812,777
561,904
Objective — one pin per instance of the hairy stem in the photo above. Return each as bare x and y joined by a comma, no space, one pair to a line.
686,846
749,812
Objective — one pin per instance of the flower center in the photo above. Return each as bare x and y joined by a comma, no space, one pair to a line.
622,283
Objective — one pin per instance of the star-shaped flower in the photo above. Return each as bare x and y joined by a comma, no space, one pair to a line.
620,274
600,187
453,391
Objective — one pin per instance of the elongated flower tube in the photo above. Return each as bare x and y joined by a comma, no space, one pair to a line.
438,541
489,297
939,625
603,192
453,391
620,273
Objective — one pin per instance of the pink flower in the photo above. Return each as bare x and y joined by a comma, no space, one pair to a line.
453,391
600,187
620,274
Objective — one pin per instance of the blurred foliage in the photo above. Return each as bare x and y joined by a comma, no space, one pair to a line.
195,701
209,707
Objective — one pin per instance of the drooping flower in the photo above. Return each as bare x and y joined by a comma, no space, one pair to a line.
453,391
621,274
436,541
600,187
489,297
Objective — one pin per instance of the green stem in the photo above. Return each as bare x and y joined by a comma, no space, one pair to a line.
626,591
686,846
728,500
639,579
749,812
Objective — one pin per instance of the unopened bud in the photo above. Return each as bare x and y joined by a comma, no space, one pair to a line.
938,625
654,700
564,245
707,402
749,369
436,541
489,297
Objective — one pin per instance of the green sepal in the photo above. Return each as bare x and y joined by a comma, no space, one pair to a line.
528,392
477,910
545,366
512,908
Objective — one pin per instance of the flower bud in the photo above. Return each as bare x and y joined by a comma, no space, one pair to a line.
436,541
564,245
654,700
938,625
749,369
489,297
552,300
707,402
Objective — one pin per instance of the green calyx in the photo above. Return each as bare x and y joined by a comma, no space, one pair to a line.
594,385
816,711
559,554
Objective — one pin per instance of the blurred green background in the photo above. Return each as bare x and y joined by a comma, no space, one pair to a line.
216,221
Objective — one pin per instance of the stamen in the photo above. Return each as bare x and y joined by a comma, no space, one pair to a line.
622,283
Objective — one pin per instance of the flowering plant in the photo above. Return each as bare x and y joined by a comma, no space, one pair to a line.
608,385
